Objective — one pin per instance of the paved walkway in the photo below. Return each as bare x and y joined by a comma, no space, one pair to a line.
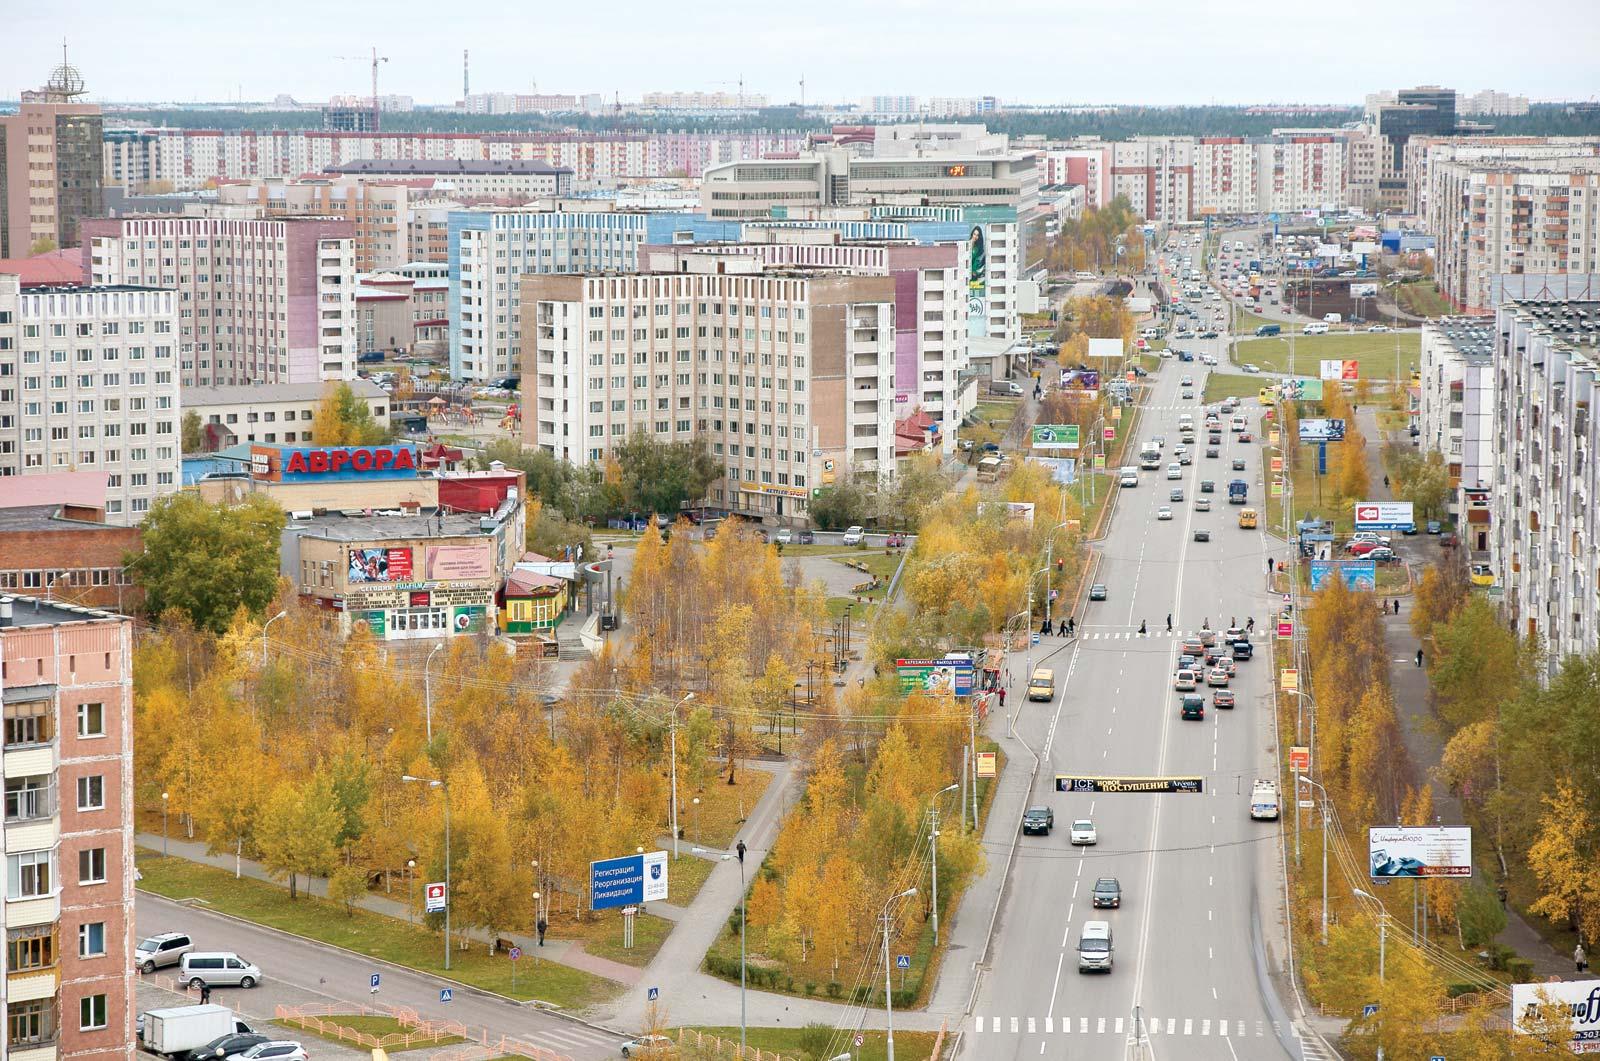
562,952
1410,686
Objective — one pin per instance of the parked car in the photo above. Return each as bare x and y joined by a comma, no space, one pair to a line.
854,536
155,952
272,1050
651,1046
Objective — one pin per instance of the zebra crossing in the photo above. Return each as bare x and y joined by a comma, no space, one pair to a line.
1134,634
1152,1027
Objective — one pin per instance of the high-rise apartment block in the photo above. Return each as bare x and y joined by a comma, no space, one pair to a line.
1456,415
506,179
89,381
260,301
67,675
51,166
787,374
490,252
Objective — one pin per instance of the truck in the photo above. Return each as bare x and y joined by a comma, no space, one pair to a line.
1268,329
1005,388
1237,492
1264,801
178,1030
989,470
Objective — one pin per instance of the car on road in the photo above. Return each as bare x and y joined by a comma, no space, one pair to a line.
272,1050
649,1046
1097,591
1245,436
1192,709
1201,534
1209,333
1238,464
1042,686
1192,646
1038,820
1222,698
217,969
1187,381
854,535
1225,662
1242,649
1185,459
155,952
1083,832
1202,504
1377,327
1482,575
785,536
1185,681
1176,495
1213,451
1208,486
1251,369
1164,512
1217,676
1108,892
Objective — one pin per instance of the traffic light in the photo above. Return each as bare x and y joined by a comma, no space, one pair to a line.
1060,564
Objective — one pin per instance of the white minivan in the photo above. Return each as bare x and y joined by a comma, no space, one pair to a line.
1094,947
1174,470
217,969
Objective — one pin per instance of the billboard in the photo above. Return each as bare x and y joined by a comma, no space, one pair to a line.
1363,290
1357,574
953,674
1069,783
1021,510
1105,348
627,881
1063,470
380,565
1303,390
977,284
1383,515
1053,436
332,463
1080,382
1420,851
1580,999
1333,368
1322,431
444,563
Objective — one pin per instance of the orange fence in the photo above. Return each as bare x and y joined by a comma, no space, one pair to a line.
324,1020
719,1047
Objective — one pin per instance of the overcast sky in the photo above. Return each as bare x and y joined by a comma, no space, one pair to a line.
1149,51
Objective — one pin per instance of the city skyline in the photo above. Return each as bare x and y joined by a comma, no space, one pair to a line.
903,46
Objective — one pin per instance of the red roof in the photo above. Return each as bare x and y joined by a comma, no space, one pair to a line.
42,270
83,489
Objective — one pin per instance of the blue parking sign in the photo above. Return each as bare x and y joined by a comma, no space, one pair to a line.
377,978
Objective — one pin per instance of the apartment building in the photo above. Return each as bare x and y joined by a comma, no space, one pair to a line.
89,381
275,414
1156,175
55,542
1498,219
490,252
397,311
931,364
67,675
509,179
788,374
51,165
1456,414
1545,525
259,301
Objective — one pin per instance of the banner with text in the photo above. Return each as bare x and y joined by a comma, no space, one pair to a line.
1070,783
1420,851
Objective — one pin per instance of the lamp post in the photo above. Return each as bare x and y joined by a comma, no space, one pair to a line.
427,694
674,732
1383,937
411,865
1049,548
740,849
264,627
1324,792
888,989
933,839
444,788
164,797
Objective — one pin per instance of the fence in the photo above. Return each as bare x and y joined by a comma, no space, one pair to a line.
324,1020
719,1047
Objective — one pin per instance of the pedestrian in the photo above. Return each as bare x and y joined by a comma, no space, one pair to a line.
205,992
1386,482
541,926
1233,621
1419,657
1269,565
1579,958
1002,697
1397,605
1141,626
1502,893
1169,622
1045,629
1072,626
1065,629
1249,623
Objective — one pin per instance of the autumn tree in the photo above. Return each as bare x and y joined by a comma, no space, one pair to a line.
297,833
207,560
344,419
1565,858
194,439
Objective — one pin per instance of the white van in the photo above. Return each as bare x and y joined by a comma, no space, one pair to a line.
1332,318
1236,425
217,969
1128,476
1264,801
1094,947
1174,470
1318,328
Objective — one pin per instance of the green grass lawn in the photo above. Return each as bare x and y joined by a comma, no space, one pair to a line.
688,873
1422,299
603,939
793,1042
412,946
1375,352
1220,385
999,411
372,1024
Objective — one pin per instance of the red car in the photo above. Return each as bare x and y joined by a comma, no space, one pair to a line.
1222,698
1361,548
1245,436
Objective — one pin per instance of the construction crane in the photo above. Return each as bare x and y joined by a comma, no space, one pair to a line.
375,59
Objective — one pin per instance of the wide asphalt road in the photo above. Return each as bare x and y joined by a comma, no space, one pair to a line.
1192,867
298,972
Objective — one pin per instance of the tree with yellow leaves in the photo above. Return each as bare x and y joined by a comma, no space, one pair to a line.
1565,858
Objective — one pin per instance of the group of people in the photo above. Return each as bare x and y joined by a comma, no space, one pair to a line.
1068,627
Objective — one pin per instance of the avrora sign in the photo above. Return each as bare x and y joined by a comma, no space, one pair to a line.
333,463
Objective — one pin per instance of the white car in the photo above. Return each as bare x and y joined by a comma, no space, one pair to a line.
1083,832
649,1046
272,1050
854,536
785,536
1377,327
1164,512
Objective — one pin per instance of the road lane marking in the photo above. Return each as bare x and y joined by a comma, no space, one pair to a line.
1013,1025
1100,1026
1205,1027
1031,1028
1188,1025
1049,1026
1118,1029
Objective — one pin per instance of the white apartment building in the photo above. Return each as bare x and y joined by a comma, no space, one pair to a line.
490,252
1456,412
787,374
509,179
276,414
1545,538
89,382
259,301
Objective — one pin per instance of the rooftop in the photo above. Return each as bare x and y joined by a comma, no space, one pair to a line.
37,611
255,394
357,526
53,517
1471,337
449,167
1572,321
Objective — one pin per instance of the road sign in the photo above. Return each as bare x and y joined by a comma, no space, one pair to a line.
1289,680
516,952
902,961
1369,1010
1034,639
652,994
434,898
376,979
986,764
1307,804
1436,1057
1300,758
446,994
860,1039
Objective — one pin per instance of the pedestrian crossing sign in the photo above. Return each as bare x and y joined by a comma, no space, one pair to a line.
446,994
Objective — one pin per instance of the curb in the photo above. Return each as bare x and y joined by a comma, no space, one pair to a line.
550,1008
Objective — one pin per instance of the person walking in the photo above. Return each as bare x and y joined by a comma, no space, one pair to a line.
205,990
1002,698
1397,605
1269,565
1072,626
1141,626
1169,622
1249,623
1419,657
1580,958
1064,629
541,927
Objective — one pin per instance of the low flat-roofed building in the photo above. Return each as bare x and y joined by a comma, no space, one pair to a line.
274,413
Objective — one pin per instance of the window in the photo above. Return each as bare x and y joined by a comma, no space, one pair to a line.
28,874
92,939
92,865
30,1022
28,948
92,1012
29,723
27,797
91,720
92,791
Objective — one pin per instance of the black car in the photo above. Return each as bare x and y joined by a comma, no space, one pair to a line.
1107,892
1207,486
1242,650
1213,451
1238,464
226,1046
1097,591
1038,820
1202,535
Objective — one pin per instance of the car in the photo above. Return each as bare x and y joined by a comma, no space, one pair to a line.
1164,512
1362,548
1201,534
1185,459
854,536
1251,369
964,445
168,948
1377,327
1209,333
1217,676
785,536
217,969
1038,820
1383,555
806,538
1186,662
1434,527
272,1050
1245,436
1242,649
649,1046
1176,495
1042,686
1238,464
1232,634
1481,575
1097,591
1192,708
1192,646
1222,698
1187,381
1159,442
225,1046
1139,371
1213,451
1208,486
1202,504
1226,663
1185,680
1083,832
1107,892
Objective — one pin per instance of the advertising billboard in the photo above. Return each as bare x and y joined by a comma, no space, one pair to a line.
1301,389
1357,574
447,562
628,881
1053,436
977,284
1333,368
952,674
1105,348
380,565
1383,515
332,463
1363,290
1322,431
1080,382
1579,998
1012,510
1063,470
1069,783
1420,851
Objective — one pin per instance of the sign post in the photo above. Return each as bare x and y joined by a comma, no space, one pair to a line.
628,881
902,962
434,898
516,952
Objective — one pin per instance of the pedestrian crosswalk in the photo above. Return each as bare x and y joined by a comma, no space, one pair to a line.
1150,1026
1126,633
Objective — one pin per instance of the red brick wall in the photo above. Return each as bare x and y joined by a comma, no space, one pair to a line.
75,550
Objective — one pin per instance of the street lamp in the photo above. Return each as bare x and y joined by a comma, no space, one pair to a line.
1049,548
674,732
164,797
696,802
444,788
1383,923
933,839
888,1001
427,693
739,848
411,865
1319,788
264,627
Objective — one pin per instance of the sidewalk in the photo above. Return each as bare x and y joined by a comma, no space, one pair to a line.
562,952
1410,686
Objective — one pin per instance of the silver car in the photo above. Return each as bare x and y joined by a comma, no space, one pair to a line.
217,969
155,952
